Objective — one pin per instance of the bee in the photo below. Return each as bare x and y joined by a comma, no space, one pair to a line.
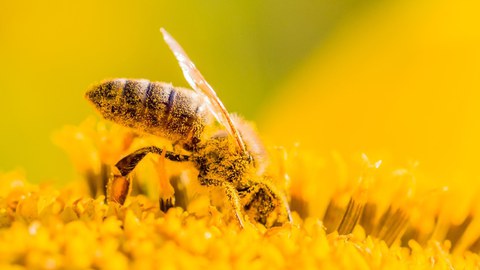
223,147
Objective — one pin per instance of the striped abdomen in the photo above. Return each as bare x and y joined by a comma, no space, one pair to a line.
175,113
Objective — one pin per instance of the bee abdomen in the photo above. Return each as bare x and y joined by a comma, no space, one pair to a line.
153,107
174,112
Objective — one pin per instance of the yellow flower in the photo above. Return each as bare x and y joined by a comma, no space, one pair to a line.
371,216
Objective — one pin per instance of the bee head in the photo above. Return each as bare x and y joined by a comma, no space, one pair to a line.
264,205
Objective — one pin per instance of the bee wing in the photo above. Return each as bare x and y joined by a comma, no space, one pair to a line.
199,84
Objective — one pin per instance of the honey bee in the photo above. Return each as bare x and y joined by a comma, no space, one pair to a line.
224,148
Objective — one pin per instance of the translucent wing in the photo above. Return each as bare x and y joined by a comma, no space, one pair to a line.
199,84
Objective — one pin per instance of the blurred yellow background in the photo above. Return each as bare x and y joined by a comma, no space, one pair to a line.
395,78
400,82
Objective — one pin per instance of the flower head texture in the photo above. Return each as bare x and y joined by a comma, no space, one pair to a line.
380,219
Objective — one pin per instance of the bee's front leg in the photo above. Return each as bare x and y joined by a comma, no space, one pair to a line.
232,195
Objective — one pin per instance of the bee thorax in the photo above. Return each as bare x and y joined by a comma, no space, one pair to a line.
218,157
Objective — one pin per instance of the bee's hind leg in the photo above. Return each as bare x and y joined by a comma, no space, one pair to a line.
232,196
118,187
119,184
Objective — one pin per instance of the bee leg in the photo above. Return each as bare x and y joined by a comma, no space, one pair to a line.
118,187
232,196
127,164
119,184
